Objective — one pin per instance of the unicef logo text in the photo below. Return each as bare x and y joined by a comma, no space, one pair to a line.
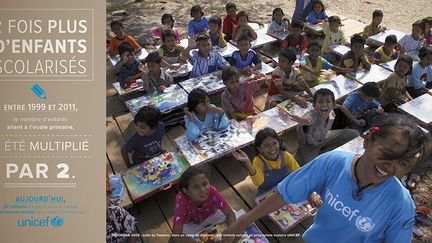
40,222
364,224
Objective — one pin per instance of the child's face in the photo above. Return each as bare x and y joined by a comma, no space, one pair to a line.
314,51
204,46
402,68
129,57
143,129
154,68
232,12
242,21
416,31
198,188
233,84
269,148
377,20
427,60
334,26
296,31
214,28
117,30
244,46
389,46
168,22
278,16
357,47
196,15
324,105
203,107
284,63
317,8
170,42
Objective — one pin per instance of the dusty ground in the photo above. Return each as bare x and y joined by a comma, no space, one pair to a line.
399,15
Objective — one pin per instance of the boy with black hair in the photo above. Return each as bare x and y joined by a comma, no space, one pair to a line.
314,127
295,39
120,36
128,68
386,52
374,27
356,58
146,143
245,59
362,108
154,78
170,51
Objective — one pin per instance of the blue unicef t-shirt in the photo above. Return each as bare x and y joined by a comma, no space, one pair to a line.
357,106
384,214
145,147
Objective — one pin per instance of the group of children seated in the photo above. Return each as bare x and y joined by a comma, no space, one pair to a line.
198,201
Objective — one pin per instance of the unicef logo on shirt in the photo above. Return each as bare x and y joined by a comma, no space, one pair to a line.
364,224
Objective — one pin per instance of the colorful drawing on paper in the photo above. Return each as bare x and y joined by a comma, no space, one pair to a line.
289,215
275,118
179,70
132,86
355,146
213,144
153,174
209,82
171,98
118,192
420,108
214,233
292,108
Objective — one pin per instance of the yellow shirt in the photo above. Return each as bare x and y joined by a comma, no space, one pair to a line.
257,163
370,29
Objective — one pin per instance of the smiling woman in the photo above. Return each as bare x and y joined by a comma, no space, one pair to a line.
364,200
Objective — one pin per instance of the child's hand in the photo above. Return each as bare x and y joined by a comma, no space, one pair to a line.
380,109
143,69
360,122
188,113
382,29
302,103
315,200
191,43
162,88
241,156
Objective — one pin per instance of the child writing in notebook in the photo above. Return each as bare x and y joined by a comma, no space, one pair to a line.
394,87
287,81
318,14
356,58
237,98
279,26
245,59
146,142
295,39
243,28
333,36
198,205
199,24
200,115
167,24
272,164
386,52
419,81
216,36
120,36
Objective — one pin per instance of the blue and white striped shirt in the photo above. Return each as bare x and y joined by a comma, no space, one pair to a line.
203,65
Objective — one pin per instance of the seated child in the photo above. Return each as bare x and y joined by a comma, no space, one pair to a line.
245,59
216,36
333,36
200,115
394,91
374,27
318,14
230,21
204,60
198,205
146,142
237,98
314,127
167,24
243,28
287,81
356,58
128,68
427,31
386,52
419,76
410,44
170,51
295,39
154,79
279,26
120,36
199,24
361,107
312,64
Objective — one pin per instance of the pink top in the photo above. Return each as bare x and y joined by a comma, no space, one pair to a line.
157,31
186,211
243,102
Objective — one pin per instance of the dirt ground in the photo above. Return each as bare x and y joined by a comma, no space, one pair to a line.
398,14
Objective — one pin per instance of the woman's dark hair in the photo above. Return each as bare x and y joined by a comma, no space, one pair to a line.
167,34
371,89
167,16
405,58
242,14
195,97
215,20
417,139
323,92
265,133
320,3
149,115
189,173
288,53
196,8
275,11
